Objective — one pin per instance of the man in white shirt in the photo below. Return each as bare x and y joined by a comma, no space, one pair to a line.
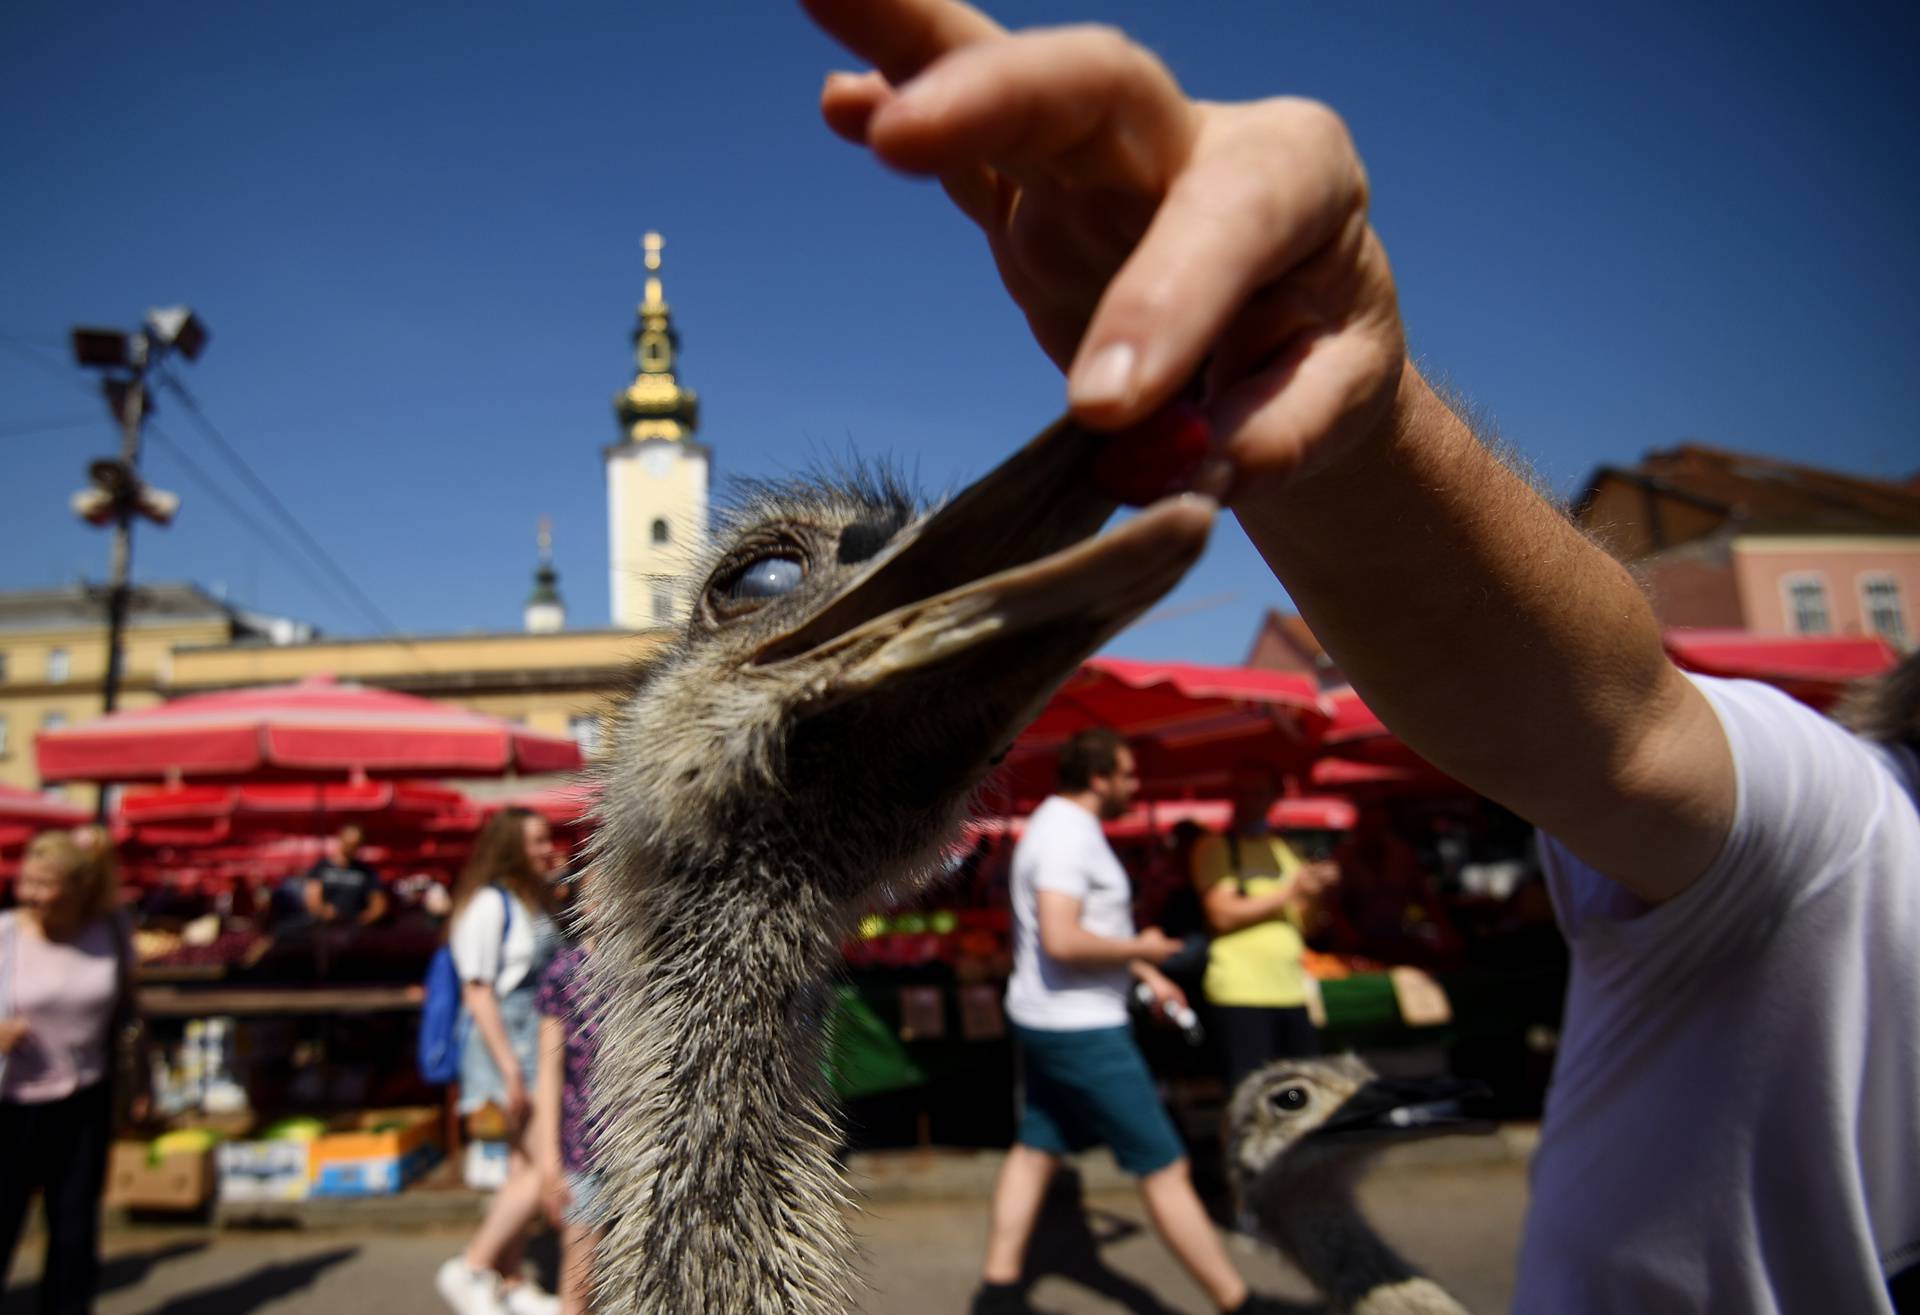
1731,1123
1076,957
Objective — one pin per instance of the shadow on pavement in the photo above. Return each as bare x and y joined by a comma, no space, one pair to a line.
121,1271
251,1291
1068,1240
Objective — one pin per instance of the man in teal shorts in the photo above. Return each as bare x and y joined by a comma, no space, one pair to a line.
1076,957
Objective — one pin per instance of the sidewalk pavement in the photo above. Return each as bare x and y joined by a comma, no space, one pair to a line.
934,1174
1455,1214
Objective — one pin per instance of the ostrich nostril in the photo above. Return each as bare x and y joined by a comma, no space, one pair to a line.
862,539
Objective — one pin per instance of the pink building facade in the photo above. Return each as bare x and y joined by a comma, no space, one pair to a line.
1793,585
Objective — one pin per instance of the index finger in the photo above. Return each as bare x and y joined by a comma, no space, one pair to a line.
901,37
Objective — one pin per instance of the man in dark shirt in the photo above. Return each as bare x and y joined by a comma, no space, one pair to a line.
340,888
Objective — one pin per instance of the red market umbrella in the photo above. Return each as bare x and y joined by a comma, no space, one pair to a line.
27,808
1188,724
317,728
287,807
570,804
1301,813
1816,669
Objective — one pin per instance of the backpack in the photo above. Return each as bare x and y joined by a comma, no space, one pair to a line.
443,1020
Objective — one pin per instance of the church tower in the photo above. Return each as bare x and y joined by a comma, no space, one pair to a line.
545,612
656,473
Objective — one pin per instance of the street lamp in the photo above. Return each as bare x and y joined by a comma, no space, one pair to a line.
115,495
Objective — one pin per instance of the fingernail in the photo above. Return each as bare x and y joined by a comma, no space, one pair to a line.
1105,379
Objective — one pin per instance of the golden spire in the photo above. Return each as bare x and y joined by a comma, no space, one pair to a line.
654,405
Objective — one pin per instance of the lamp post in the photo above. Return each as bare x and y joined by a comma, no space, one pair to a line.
115,495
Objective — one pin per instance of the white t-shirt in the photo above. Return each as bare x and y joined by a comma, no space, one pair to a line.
1734,1121
479,955
1064,849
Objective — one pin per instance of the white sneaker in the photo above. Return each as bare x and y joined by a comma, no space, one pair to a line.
529,1298
469,1291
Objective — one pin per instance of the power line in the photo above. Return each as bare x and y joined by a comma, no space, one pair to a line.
259,486
21,428
36,354
198,474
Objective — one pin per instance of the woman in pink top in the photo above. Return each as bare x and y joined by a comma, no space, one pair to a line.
63,988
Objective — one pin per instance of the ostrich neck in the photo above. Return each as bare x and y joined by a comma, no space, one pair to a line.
1317,1223
729,1198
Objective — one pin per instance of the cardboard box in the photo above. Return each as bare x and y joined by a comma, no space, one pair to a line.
380,1175
401,1133
264,1170
181,1181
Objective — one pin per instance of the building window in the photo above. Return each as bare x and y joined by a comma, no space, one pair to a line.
53,721
661,534
1807,605
57,666
1880,604
662,603
585,731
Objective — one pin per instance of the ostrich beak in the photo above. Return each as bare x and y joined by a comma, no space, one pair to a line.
1009,558
1408,1108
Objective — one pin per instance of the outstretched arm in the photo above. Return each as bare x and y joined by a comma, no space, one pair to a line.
1153,240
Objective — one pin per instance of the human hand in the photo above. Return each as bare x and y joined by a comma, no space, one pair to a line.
12,1032
1154,946
1318,877
519,1106
1149,238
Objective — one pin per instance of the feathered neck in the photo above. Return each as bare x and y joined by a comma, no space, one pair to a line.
718,1138
1313,1218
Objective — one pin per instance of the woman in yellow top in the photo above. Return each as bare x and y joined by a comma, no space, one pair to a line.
1253,888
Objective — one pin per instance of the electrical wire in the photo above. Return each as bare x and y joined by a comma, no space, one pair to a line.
210,486
252,480
22,428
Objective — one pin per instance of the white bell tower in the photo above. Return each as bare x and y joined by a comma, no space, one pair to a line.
656,474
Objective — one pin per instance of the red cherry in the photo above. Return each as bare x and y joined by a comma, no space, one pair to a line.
1158,456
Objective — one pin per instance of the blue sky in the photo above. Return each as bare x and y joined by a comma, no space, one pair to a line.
414,232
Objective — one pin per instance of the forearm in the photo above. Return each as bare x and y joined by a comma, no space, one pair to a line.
484,1008
1229,911
546,1105
1079,948
1486,631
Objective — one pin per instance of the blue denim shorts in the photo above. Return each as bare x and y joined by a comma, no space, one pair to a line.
480,1079
588,1206
1092,1088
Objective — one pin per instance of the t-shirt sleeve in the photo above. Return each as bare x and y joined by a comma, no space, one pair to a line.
1060,861
1805,793
476,935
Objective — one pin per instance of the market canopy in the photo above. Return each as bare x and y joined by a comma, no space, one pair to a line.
1189,725
315,728
288,807
1816,669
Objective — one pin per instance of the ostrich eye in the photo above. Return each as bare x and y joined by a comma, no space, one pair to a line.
770,577
1289,1098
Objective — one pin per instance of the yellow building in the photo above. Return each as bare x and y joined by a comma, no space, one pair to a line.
656,474
557,682
53,656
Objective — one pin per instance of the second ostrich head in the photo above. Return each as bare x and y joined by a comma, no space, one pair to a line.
1300,1133
851,671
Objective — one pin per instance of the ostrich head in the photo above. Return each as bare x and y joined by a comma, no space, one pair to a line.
850,672
852,669
1320,1119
